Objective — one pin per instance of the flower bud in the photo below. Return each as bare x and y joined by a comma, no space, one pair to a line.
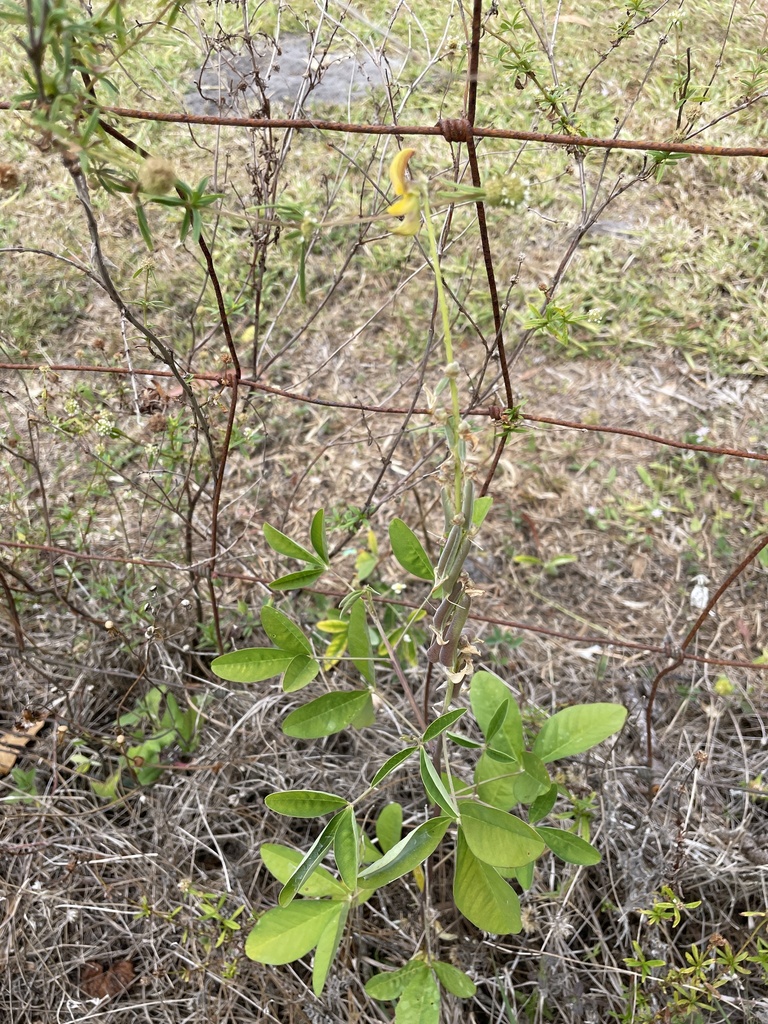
157,175
507,191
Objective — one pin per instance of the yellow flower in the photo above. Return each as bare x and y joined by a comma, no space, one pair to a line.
397,172
407,206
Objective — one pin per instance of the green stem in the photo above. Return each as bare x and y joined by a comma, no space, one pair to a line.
448,345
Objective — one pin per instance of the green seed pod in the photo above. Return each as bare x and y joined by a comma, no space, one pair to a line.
441,614
448,551
468,505
447,509
447,605
458,564
433,651
459,620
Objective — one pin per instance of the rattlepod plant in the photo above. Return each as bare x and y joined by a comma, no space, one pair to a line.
492,846
492,826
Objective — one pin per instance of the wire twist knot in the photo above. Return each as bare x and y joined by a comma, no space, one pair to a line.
455,129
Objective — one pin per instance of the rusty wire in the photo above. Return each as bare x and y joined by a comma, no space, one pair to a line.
439,129
225,380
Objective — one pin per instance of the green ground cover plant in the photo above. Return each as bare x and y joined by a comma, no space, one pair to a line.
383,559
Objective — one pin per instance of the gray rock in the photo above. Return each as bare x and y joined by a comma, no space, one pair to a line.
233,81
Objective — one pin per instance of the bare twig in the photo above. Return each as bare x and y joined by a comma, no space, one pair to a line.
680,656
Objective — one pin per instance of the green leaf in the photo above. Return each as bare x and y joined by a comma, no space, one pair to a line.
366,715
297,580
285,546
407,549
333,626
309,862
451,978
533,780
389,826
370,852
146,234
359,642
420,1001
482,895
197,225
144,759
106,790
497,720
527,560
576,729
498,838
282,861
524,875
464,741
391,764
304,803
391,984
317,535
327,947
365,563
504,757
543,804
433,785
289,933
569,847
283,632
487,693
252,664
481,509
326,715
346,847
300,673
496,782
407,854
441,724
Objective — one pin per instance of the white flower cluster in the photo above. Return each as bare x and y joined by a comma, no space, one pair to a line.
105,425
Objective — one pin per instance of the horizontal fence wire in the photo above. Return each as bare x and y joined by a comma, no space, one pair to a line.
492,412
199,569
441,128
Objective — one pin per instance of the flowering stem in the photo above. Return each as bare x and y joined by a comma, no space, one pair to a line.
448,344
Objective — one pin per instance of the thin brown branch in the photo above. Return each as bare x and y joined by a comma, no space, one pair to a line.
234,381
681,655
18,632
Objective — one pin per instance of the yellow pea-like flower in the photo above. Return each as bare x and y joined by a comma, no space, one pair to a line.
397,171
408,205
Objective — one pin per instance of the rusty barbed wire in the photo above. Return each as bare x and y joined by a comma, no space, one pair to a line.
547,138
493,412
528,627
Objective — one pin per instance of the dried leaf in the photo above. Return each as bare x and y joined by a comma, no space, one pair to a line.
16,739
96,983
